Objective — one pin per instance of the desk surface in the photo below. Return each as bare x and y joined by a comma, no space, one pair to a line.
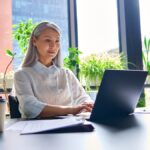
132,133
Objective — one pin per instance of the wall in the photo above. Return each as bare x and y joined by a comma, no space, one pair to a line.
5,32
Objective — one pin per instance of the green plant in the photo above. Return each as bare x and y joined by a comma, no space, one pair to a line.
73,60
92,67
142,102
89,70
12,55
146,54
22,32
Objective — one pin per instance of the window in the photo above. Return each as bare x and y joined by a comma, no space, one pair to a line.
144,14
97,26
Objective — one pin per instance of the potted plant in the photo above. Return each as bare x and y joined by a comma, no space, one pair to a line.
12,55
93,67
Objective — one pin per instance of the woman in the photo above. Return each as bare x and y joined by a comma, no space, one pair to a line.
42,86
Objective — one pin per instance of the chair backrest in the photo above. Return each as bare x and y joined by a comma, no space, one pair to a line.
14,107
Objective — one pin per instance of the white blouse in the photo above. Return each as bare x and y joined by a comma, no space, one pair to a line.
37,86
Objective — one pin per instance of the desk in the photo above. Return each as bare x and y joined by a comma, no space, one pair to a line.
132,133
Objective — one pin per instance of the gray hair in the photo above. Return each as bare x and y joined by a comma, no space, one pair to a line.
31,56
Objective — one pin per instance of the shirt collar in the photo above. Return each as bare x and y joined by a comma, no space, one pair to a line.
43,69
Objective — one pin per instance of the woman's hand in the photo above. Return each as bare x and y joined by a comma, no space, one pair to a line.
85,107
88,106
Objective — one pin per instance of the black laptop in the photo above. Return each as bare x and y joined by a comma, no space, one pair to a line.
118,94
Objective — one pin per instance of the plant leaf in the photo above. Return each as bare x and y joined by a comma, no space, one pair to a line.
9,53
145,43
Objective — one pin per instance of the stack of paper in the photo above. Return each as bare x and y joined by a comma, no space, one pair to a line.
37,126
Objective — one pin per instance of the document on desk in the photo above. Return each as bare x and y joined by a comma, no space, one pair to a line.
38,126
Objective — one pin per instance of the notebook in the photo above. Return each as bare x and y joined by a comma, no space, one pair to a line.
60,125
118,94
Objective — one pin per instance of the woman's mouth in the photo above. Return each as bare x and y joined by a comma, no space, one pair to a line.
51,52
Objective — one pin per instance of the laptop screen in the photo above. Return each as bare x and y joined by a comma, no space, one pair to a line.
118,94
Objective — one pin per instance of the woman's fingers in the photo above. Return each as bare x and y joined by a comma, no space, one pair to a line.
85,107
89,104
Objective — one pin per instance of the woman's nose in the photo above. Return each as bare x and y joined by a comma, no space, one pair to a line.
52,44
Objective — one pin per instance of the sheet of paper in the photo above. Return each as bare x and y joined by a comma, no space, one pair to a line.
36,126
18,126
85,115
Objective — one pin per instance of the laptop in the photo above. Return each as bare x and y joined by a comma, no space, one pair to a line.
118,94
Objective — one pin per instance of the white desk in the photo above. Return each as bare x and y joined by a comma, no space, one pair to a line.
132,133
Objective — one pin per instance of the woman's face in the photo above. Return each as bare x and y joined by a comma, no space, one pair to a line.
47,44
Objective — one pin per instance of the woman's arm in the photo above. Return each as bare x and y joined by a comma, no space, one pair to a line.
54,110
29,105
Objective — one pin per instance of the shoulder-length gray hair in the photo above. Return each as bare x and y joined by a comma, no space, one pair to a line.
31,56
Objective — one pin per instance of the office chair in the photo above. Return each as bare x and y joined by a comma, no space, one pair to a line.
14,107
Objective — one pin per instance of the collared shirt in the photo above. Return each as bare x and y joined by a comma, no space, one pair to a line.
37,86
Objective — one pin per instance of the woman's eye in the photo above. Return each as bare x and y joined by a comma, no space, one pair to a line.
47,40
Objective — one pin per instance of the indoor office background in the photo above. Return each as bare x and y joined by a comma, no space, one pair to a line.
93,26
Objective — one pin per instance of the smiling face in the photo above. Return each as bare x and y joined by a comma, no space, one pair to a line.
48,45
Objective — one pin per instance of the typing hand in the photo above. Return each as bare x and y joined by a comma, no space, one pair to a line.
85,107
80,108
88,106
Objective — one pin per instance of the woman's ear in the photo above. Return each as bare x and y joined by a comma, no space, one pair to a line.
34,41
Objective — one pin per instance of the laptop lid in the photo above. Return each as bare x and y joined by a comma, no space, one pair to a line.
118,94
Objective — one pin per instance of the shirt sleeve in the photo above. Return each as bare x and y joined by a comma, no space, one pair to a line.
79,95
29,105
